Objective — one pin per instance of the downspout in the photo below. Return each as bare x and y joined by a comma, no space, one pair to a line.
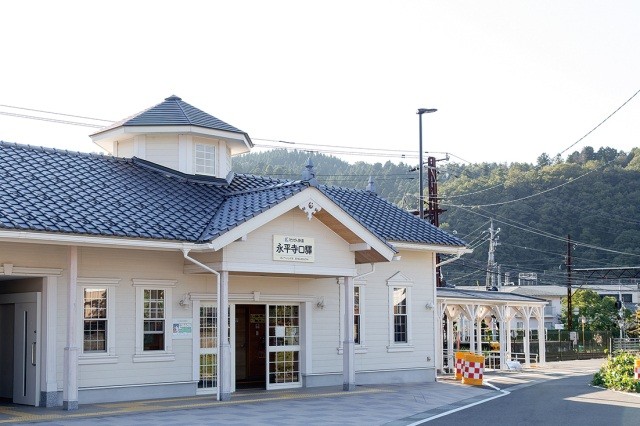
373,269
185,252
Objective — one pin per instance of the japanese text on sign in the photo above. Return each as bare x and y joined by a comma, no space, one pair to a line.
293,249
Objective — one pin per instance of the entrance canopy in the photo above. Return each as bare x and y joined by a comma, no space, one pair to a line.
471,307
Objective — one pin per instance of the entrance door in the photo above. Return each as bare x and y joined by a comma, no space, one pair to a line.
283,347
208,382
250,346
24,335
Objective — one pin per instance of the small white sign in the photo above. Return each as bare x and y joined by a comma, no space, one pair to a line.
293,249
182,328
558,326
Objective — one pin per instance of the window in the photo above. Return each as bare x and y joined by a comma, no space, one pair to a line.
154,320
358,318
96,321
356,315
400,331
399,313
205,159
153,316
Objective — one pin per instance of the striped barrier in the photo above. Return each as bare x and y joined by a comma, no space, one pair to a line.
460,357
473,371
636,369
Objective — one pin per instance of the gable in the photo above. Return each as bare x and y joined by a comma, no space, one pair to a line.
367,246
330,254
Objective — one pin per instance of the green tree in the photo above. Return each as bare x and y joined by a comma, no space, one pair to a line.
600,312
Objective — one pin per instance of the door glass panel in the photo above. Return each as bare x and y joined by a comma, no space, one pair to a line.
284,346
284,367
208,347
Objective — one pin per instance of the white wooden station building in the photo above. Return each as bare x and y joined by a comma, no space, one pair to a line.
119,272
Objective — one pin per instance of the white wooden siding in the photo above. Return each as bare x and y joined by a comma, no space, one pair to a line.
331,251
163,150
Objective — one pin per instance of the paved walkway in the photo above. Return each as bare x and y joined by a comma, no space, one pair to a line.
371,405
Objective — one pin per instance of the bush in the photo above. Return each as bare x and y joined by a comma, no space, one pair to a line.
617,373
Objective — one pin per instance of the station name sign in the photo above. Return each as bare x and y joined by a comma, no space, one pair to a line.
293,249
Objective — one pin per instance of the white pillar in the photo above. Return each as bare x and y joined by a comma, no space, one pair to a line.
500,314
470,314
450,338
70,373
479,335
508,316
49,382
439,359
225,348
348,346
527,333
541,336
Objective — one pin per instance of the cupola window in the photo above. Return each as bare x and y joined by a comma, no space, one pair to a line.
205,156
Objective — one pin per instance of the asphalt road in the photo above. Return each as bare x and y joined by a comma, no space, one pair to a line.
567,401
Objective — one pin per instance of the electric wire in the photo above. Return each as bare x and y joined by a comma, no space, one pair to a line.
600,124
56,113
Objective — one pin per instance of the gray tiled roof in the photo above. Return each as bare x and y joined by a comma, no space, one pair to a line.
386,220
44,189
173,111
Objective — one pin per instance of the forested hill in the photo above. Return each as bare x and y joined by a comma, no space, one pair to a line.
593,196
392,181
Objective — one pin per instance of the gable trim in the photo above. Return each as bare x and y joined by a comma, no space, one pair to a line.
304,197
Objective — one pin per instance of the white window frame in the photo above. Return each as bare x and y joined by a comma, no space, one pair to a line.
160,355
360,348
200,151
400,281
109,356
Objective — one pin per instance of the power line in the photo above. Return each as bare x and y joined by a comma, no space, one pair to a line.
600,124
545,234
57,113
532,195
52,120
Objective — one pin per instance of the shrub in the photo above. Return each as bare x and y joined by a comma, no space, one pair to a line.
617,373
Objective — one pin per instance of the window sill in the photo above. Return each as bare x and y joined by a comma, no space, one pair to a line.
398,348
89,359
160,357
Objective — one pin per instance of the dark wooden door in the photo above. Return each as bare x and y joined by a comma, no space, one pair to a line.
250,346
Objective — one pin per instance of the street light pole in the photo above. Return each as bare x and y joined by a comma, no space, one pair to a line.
421,182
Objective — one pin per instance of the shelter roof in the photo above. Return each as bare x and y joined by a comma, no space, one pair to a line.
483,296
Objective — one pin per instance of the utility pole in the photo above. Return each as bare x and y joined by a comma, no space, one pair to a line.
433,211
569,308
432,183
491,264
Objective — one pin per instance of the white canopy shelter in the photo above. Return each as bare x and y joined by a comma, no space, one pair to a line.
471,307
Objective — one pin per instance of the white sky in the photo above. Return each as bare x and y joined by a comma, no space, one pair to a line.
511,79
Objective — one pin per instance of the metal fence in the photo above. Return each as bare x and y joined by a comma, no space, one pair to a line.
626,344
560,346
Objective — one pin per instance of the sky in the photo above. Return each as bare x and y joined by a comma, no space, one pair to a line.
510,79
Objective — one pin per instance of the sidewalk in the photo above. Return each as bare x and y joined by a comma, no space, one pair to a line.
387,404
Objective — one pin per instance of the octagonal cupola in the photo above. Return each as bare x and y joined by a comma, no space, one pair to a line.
177,135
